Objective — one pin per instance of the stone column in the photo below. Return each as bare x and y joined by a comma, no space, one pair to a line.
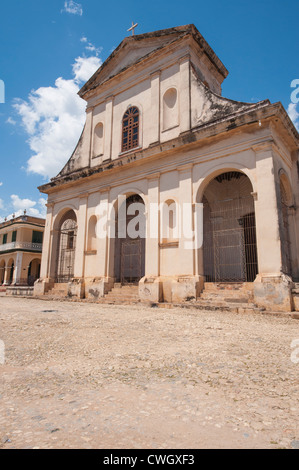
152,227
103,281
155,109
81,237
76,287
150,286
184,94
186,253
47,243
48,261
188,284
272,289
6,275
108,128
103,233
18,268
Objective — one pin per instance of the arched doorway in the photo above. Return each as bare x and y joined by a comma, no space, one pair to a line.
229,234
2,272
65,260
286,200
129,262
33,271
11,267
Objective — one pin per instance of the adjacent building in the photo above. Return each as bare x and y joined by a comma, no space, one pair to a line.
21,240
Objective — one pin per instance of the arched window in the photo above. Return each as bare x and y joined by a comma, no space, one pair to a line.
130,129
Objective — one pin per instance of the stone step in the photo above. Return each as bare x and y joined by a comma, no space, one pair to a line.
228,287
224,298
58,290
227,295
124,291
118,302
122,294
227,307
119,298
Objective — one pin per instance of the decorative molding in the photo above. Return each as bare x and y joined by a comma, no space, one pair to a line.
263,146
184,58
186,167
106,189
153,176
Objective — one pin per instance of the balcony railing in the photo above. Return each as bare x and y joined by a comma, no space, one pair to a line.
21,246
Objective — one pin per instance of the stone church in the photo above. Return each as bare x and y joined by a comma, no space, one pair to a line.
215,182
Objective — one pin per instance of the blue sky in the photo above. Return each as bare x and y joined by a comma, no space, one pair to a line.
49,49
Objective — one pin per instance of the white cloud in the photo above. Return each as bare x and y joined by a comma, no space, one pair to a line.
294,114
1,204
73,8
53,118
84,68
1,184
36,209
91,47
10,120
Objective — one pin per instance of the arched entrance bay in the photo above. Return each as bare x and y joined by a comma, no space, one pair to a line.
65,260
33,271
229,234
129,261
2,272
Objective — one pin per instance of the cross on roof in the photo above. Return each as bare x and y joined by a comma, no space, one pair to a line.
133,27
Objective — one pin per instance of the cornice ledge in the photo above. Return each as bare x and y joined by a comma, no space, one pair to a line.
263,146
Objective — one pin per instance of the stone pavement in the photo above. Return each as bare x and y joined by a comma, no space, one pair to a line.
80,375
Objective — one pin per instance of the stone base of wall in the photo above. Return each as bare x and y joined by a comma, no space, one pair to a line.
76,288
274,292
296,302
97,287
20,290
42,286
170,289
150,289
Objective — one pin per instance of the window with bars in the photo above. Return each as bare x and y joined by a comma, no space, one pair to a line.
130,130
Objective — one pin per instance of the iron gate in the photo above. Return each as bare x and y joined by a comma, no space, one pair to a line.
229,242
131,261
66,251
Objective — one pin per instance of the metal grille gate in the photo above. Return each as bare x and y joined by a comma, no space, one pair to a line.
130,252
131,265
286,247
230,253
66,251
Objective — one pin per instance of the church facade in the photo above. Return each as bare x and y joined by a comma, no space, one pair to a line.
207,186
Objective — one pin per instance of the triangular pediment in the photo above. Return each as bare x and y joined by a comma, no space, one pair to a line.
133,49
